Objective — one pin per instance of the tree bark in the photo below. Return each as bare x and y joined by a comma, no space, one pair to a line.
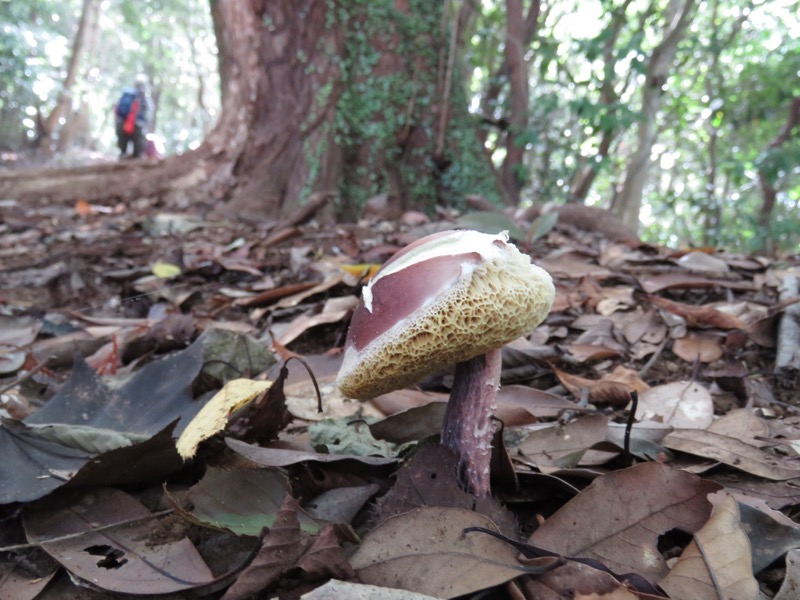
589,168
767,181
629,201
49,124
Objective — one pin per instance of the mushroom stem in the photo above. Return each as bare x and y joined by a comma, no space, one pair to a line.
467,428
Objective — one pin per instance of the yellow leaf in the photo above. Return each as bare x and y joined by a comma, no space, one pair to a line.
213,417
362,271
166,270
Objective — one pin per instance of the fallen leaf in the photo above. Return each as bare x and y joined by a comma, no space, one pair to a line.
614,388
702,347
702,262
742,424
340,505
18,583
333,311
716,564
771,533
326,558
119,559
576,580
591,352
791,583
617,519
241,501
165,270
732,452
658,283
213,417
426,551
698,316
681,404
280,549
281,457
563,446
337,590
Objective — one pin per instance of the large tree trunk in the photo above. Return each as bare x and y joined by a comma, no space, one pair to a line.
47,126
629,201
317,96
767,175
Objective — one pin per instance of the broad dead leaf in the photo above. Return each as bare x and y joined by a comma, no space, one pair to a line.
575,580
280,549
699,316
614,388
732,452
716,564
697,346
682,404
791,583
121,559
426,551
339,590
619,517
563,446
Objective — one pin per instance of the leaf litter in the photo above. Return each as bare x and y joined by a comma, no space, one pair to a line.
114,347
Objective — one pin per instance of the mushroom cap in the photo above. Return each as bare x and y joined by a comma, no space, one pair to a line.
441,300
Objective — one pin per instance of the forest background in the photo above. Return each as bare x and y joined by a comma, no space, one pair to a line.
681,117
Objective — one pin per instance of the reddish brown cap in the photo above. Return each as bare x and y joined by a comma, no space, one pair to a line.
441,300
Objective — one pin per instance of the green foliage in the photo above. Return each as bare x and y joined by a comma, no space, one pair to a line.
380,99
724,104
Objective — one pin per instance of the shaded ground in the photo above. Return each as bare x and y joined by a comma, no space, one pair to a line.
693,333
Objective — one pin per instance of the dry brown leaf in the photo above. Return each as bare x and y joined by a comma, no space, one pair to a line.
614,299
280,549
644,327
703,262
732,452
620,516
614,388
563,446
742,424
426,551
99,556
696,346
698,316
325,558
590,352
538,403
572,580
683,404
791,583
716,564
657,283
333,311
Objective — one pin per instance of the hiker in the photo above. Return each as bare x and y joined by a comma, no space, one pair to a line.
132,112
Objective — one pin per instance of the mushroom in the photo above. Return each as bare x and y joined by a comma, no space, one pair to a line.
455,297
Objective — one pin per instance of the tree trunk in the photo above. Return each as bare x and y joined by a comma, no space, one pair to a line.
48,125
629,201
767,175
588,168
317,96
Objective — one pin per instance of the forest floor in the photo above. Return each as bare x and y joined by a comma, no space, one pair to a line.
119,323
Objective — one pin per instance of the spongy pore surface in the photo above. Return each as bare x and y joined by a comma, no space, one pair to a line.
493,303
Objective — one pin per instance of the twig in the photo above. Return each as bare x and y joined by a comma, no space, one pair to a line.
71,536
24,377
629,425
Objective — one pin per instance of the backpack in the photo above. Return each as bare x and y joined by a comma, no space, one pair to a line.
125,103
